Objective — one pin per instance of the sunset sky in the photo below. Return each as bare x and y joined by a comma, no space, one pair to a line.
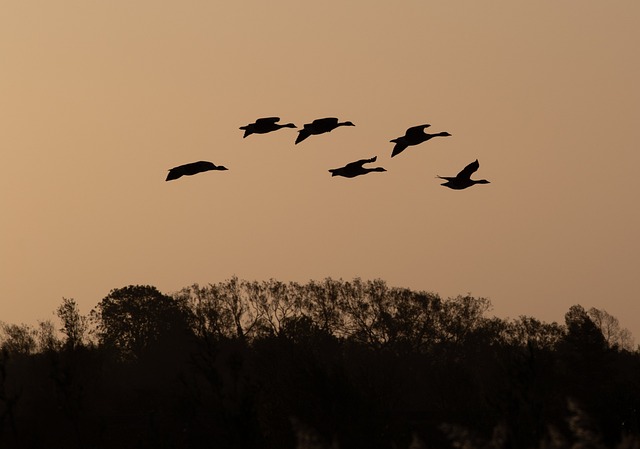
98,99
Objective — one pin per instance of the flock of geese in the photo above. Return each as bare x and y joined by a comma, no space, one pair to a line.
413,136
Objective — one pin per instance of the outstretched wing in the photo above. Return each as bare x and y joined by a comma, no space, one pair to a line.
416,131
267,120
191,169
322,122
303,134
360,163
174,173
469,170
399,147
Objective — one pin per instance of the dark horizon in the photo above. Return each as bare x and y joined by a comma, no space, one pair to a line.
349,363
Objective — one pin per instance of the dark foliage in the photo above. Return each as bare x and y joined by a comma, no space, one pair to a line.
338,364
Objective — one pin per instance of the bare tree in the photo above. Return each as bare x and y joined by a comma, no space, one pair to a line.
74,325
320,303
225,309
609,325
528,330
275,303
462,315
46,336
18,339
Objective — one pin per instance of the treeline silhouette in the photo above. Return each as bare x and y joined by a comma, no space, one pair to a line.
340,364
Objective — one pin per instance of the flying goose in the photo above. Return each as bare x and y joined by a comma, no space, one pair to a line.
354,169
414,136
265,125
320,126
463,179
192,169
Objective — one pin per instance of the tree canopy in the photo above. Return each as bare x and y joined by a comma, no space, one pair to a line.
328,363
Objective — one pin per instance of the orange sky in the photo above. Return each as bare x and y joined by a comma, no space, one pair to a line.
100,99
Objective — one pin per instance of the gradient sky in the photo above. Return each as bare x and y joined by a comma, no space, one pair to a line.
99,99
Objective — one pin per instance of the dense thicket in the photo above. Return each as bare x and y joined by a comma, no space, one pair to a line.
340,364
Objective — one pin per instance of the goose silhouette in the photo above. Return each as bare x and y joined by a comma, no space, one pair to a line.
356,168
265,125
414,136
320,126
192,169
463,179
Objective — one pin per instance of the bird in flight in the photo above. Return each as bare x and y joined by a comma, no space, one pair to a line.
356,168
320,126
265,125
463,179
192,169
414,136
